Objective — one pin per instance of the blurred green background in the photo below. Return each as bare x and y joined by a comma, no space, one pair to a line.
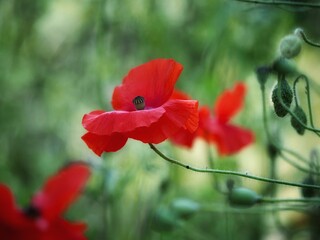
61,59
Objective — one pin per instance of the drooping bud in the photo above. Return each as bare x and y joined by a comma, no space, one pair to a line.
308,192
286,96
243,197
263,73
139,102
298,111
290,46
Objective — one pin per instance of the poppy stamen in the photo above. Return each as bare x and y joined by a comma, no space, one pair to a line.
139,102
32,212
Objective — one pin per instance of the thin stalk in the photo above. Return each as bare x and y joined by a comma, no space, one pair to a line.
290,200
228,172
306,39
279,2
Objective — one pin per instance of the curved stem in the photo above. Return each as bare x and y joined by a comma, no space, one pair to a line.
306,39
228,172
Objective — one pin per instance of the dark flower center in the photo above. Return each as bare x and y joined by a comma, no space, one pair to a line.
32,212
139,103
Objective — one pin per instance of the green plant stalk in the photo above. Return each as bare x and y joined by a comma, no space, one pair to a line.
308,97
286,3
289,200
228,172
306,39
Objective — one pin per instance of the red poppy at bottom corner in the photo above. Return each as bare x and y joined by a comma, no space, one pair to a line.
216,128
143,109
42,219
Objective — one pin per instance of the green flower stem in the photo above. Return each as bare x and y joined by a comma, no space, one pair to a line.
315,130
308,97
217,208
264,112
290,200
306,39
228,172
286,3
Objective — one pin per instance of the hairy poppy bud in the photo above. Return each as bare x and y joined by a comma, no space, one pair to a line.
286,96
284,66
184,208
298,111
243,197
308,192
290,46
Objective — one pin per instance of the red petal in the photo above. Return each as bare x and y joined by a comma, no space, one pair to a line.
107,123
61,190
230,139
9,214
230,102
104,143
63,230
180,114
153,80
184,138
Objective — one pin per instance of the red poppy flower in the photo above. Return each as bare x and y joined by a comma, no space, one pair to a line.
216,128
42,219
144,109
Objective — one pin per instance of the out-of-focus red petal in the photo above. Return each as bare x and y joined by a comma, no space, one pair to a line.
104,143
153,80
229,103
179,114
183,138
230,139
107,123
64,230
61,190
9,213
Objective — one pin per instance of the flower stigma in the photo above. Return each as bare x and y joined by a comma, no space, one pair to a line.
139,102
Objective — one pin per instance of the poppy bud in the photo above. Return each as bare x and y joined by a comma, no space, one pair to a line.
298,111
243,197
263,73
184,208
284,66
290,46
286,96
308,192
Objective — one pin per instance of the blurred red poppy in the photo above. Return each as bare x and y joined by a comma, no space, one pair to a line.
216,128
42,220
143,109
